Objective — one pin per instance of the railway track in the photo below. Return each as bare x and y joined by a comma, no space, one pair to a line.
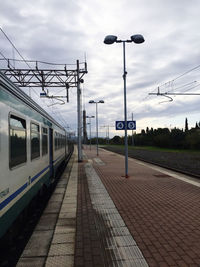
185,163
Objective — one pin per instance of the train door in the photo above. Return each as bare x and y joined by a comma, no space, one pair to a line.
51,152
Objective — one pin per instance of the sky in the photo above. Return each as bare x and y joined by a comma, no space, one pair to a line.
63,31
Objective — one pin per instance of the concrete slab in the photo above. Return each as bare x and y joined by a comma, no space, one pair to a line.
60,261
63,238
67,215
56,197
59,190
38,244
31,262
65,229
66,222
61,249
52,243
61,252
53,207
47,222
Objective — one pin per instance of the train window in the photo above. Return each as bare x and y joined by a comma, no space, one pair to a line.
35,141
56,141
18,150
59,141
44,141
63,141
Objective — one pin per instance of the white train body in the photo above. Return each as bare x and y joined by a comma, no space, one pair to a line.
32,146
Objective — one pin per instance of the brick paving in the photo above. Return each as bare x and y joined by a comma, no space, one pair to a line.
87,248
162,213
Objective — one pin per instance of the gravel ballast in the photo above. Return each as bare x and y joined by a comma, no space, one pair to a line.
188,163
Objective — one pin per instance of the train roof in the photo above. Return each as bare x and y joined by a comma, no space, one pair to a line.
16,91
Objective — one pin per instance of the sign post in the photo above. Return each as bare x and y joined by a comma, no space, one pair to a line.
126,125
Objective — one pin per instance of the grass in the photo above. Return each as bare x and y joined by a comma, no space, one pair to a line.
153,148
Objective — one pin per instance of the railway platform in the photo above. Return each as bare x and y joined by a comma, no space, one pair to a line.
97,217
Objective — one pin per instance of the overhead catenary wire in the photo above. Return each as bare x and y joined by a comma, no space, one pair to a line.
182,86
197,67
14,47
60,117
180,76
4,58
43,62
171,82
192,88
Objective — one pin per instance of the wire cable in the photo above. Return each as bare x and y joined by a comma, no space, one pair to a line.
23,59
44,62
4,58
14,47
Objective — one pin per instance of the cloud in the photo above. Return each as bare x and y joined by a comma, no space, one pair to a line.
64,31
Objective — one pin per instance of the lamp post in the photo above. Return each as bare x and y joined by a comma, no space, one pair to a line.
79,141
138,39
97,102
90,117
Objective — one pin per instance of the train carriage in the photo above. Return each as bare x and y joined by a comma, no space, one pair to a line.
32,146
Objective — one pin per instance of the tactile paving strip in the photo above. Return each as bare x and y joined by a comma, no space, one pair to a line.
119,247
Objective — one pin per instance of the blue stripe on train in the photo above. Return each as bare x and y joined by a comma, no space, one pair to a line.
37,175
11,197
16,193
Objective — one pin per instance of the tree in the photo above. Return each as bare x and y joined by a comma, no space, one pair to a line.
116,140
197,125
177,137
186,124
193,139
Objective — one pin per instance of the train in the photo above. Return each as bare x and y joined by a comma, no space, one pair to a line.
32,147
